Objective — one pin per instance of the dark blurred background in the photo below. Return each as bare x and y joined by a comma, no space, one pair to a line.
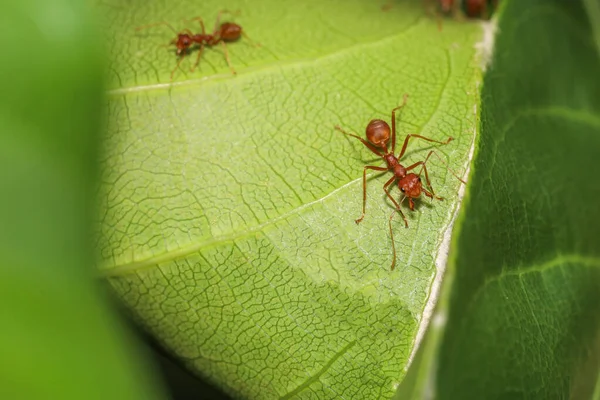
179,383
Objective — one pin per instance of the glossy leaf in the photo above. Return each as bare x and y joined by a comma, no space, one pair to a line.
228,203
523,291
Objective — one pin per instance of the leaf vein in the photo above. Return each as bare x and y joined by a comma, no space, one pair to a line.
295,63
315,378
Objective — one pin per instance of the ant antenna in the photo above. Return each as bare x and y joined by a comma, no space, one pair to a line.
392,233
218,21
139,28
443,162
255,44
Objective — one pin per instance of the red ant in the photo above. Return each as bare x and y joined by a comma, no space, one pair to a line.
479,8
223,32
378,136
472,8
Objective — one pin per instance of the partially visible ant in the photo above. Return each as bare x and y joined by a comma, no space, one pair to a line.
460,9
378,136
479,8
471,8
223,32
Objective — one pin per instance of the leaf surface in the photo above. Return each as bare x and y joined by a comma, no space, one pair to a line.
228,203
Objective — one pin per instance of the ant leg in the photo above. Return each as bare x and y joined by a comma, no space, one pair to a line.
197,58
433,11
227,58
201,21
255,44
392,233
439,21
367,144
171,43
218,20
457,13
177,66
420,137
393,244
424,168
389,182
428,193
396,204
394,122
139,28
365,188
433,152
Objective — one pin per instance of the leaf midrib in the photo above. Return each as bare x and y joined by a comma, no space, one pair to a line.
267,67
130,268
135,266
558,261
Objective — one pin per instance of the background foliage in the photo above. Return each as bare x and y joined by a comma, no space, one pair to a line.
58,338
523,290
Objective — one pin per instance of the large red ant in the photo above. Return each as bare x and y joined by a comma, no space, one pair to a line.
378,136
223,32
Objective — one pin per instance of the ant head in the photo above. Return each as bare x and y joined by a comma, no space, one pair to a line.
411,185
183,42
378,133
230,31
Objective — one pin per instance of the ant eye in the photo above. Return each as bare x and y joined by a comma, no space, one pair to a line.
402,190
419,178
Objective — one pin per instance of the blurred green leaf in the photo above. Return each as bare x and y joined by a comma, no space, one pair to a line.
58,340
228,203
522,295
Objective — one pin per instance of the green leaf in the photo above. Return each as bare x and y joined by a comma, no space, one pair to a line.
228,203
523,287
58,339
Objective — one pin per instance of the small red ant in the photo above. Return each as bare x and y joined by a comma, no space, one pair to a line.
480,8
223,32
460,8
472,8
378,136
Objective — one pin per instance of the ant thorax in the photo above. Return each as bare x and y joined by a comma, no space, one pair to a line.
394,166
399,171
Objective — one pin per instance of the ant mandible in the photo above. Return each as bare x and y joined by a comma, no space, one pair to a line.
378,136
223,32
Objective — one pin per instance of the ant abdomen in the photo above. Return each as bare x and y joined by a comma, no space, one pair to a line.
230,31
378,133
